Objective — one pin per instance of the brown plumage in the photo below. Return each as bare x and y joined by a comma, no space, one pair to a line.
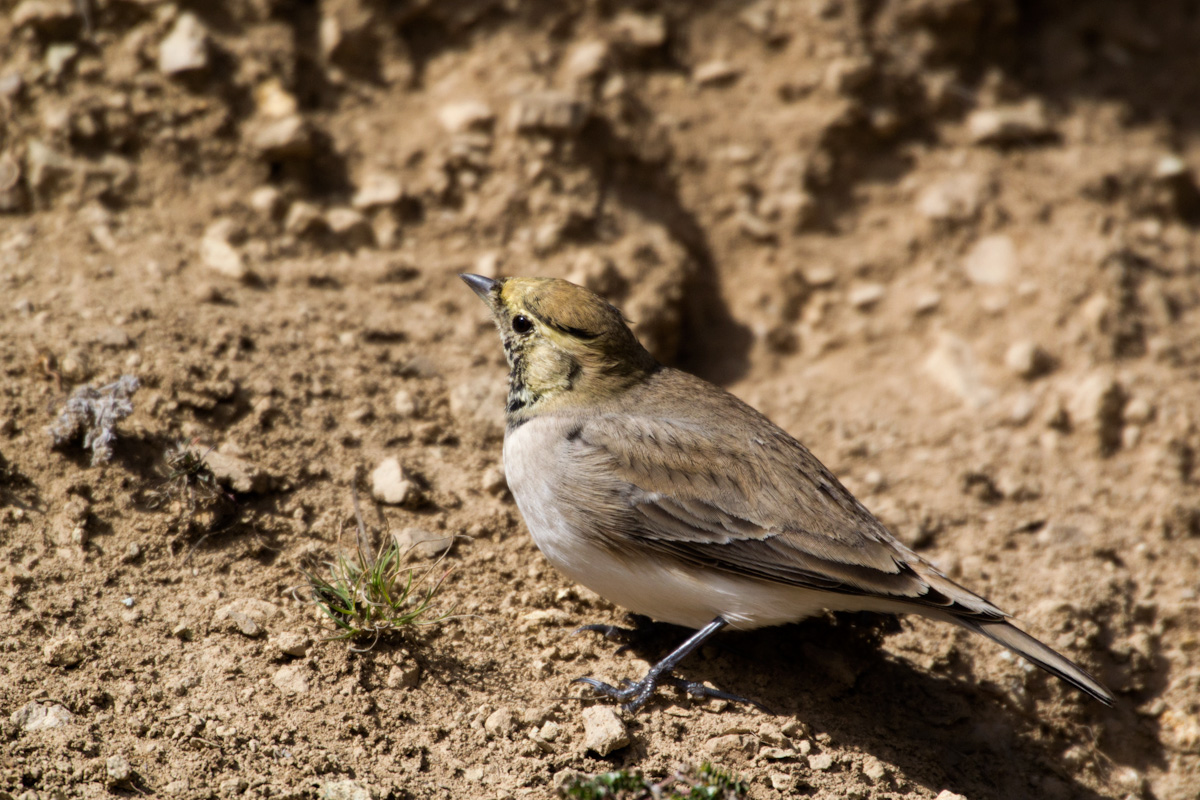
671,497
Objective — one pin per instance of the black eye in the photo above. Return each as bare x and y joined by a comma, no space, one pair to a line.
521,324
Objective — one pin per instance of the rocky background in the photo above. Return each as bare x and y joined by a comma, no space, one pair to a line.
950,244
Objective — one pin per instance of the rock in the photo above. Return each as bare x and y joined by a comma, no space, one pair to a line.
549,112
953,366
640,31
45,16
946,794
291,679
284,139
927,301
118,770
992,261
466,115
238,474
350,226
494,481
1027,359
64,651
47,169
303,218
956,198
378,190
500,723
820,762
404,403
866,295
874,770
185,48
59,57
389,484
293,644
586,61
715,73
12,192
603,730
1010,124
268,202
245,624
219,255
344,790
1097,405
404,676
423,543
34,716
1139,411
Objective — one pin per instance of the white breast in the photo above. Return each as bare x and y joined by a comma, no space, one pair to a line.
641,582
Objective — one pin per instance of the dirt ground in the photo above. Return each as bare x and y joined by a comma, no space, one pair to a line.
949,244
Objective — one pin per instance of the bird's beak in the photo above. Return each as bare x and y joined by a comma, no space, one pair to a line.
480,285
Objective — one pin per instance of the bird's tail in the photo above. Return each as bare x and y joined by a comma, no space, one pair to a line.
1018,641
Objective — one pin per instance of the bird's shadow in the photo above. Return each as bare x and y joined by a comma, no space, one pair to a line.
940,731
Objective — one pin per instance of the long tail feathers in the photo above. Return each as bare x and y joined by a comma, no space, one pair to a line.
1022,643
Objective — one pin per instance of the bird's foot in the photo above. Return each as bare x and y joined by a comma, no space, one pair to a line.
633,696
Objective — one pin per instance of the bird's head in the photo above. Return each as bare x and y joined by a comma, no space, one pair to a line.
565,345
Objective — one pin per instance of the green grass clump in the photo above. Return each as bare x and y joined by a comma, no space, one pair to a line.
704,783
370,596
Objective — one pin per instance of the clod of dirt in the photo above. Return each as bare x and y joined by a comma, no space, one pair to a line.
404,676
466,115
500,723
731,746
118,771
65,651
238,474
290,643
603,730
218,253
1097,406
345,790
1027,359
423,543
953,366
292,679
953,199
248,615
70,528
551,112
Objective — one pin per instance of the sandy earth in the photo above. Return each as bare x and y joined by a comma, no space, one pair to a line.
951,245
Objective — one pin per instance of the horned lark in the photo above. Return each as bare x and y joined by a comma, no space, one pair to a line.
672,498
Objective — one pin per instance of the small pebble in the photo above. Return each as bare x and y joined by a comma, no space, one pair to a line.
603,730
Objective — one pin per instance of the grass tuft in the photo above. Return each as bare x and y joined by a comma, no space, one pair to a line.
703,783
371,596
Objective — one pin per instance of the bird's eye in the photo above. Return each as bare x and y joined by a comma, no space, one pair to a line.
521,324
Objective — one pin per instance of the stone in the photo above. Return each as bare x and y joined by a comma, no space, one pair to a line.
1009,124
992,261
1139,411
640,31
866,295
291,643
500,723
303,218
219,255
1027,359
47,168
349,225
956,198
64,651
118,770
586,61
291,679
185,48
238,474
267,201
946,794
820,762
47,16
404,403
552,112
494,481
874,770
466,115
288,138
344,790
378,190
424,543
34,716
12,192
245,625
389,484
1097,405
603,730
730,745
953,366
715,73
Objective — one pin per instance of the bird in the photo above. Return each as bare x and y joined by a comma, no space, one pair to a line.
670,497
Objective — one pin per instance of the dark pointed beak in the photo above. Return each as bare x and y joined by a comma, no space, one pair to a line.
480,285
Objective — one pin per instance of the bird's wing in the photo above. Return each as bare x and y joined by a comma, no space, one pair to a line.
759,505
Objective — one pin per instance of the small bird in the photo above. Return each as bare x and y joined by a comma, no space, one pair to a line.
670,497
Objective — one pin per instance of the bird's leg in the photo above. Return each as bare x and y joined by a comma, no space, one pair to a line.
634,695
626,637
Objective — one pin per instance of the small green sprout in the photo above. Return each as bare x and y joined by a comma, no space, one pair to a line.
705,783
